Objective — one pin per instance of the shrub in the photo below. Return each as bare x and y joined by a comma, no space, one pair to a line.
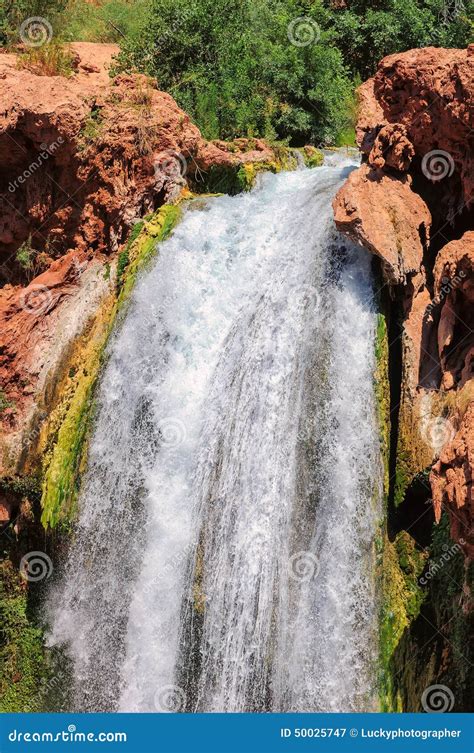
235,70
51,59
366,31
31,261
14,12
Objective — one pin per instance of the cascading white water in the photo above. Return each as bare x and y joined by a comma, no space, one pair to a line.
224,554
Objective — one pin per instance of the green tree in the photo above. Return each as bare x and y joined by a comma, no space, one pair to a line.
242,69
367,31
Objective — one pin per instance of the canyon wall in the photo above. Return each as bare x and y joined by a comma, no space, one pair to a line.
411,204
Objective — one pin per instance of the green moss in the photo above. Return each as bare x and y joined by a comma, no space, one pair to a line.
142,249
66,448
62,477
435,647
402,597
226,179
312,157
400,563
382,394
404,474
23,665
22,486
413,452
4,402
124,256
450,586
235,179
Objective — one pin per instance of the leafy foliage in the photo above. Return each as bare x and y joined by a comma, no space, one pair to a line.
235,70
14,12
281,69
31,261
368,30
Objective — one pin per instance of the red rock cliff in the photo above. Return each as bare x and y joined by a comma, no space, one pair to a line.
411,204
83,158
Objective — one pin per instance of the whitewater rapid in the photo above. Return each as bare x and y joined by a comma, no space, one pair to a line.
224,555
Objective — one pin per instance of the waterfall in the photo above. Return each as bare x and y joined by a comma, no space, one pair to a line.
223,559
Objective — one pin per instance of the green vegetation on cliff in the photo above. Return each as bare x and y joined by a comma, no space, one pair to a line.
22,659
68,431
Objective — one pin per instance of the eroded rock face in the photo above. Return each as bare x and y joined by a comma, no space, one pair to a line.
391,148
454,289
382,213
410,204
452,483
427,97
83,157
38,326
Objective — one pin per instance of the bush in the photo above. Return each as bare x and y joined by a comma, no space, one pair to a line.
13,13
51,59
234,69
368,30
31,261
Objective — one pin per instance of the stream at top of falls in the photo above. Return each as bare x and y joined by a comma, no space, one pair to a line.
224,553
